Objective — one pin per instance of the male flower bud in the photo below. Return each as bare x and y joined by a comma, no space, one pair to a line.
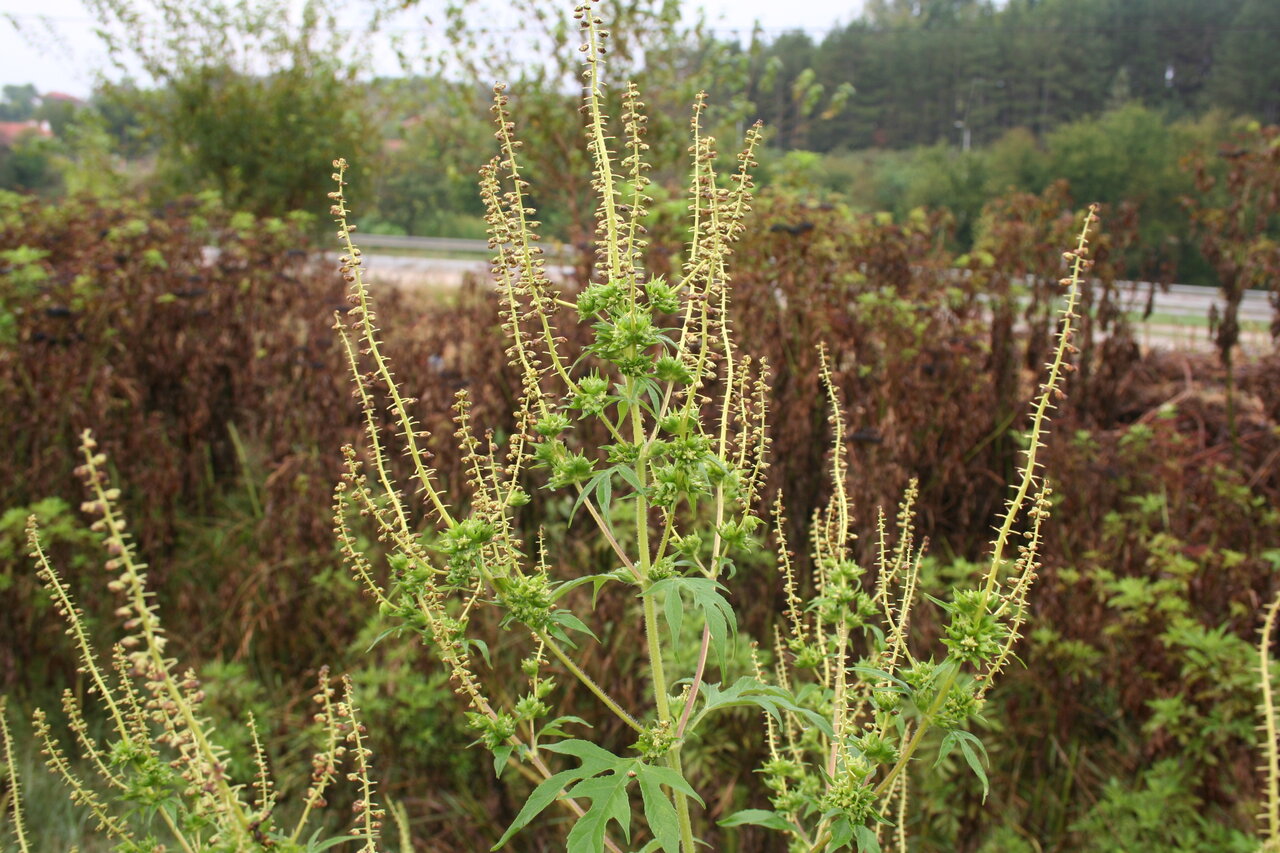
573,468
973,633
662,297
876,748
551,425
671,369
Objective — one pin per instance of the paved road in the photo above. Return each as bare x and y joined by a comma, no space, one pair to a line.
1178,316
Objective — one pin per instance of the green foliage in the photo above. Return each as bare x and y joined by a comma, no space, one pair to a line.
21,275
158,771
1159,813
1144,660
254,98
29,165
62,530
261,141
687,467
19,102
664,523
604,779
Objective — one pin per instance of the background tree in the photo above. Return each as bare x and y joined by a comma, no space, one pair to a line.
1246,78
256,97
19,102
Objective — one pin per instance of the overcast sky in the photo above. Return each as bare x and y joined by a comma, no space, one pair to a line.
56,50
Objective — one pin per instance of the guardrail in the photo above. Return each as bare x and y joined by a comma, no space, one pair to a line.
1193,300
442,244
1178,300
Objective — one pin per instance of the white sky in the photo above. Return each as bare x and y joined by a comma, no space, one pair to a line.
55,47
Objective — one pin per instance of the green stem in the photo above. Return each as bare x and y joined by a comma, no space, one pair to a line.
651,630
925,724
821,842
589,683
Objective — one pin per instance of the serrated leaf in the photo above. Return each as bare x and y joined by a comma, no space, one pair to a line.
758,817
773,699
897,684
867,841
660,814
629,475
669,777
704,595
500,756
841,834
609,804
394,629
592,756
584,494
565,587
673,609
604,495
553,727
970,747
568,620
543,795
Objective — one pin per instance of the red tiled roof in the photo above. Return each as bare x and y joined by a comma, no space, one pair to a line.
11,130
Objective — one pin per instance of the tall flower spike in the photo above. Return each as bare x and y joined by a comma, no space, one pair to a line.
1269,728
15,785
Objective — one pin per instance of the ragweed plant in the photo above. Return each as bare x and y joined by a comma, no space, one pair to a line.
673,492
157,778
1269,728
845,653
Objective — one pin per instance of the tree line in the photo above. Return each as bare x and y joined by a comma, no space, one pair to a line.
967,71
1112,93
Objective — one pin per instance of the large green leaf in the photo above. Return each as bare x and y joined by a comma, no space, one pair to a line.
603,779
973,751
749,690
704,595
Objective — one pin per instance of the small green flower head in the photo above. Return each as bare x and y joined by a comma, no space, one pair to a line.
662,297
569,469
664,568
590,397
656,741
876,748
690,544
599,299
551,425
850,796
623,453
854,605
737,534
807,655
635,329
493,732
922,678
668,368
973,635
886,700
635,365
780,771
531,707
527,599
530,666
676,423
961,705
466,538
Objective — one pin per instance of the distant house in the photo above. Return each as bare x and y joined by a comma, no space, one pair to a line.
61,96
12,131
